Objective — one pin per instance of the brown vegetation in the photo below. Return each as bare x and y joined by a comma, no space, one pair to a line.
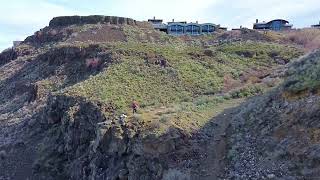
308,38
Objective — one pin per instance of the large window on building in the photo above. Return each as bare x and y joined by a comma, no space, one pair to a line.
172,28
196,29
193,29
208,28
205,28
176,29
211,28
189,29
276,25
180,29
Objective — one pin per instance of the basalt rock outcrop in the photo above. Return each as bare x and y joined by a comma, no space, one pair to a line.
84,140
13,53
66,28
95,19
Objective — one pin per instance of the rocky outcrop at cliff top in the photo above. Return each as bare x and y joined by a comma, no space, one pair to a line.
95,19
82,29
84,140
13,53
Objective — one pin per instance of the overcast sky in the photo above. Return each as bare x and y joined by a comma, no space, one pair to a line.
21,18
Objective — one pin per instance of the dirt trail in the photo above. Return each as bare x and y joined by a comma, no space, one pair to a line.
212,143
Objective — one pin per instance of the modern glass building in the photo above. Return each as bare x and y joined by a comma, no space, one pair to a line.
275,25
184,28
191,28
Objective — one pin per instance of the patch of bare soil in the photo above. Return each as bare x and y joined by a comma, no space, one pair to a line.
100,34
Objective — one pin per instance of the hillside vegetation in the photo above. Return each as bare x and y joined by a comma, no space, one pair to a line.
192,75
307,38
278,133
62,92
189,72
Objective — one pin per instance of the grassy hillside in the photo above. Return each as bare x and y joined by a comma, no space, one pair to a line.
190,72
193,82
176,80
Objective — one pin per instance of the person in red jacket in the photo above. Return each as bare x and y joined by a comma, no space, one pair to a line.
134,106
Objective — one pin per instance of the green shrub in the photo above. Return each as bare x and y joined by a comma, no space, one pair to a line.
246,92
164,119
265,52
304,74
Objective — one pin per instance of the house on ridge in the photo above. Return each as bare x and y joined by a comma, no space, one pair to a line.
274,25
184,28
317,26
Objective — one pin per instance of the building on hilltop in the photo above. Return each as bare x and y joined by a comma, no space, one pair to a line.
316,26
181,28
184,28
155,21
274,25
158,24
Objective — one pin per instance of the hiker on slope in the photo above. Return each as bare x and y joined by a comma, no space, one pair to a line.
134,106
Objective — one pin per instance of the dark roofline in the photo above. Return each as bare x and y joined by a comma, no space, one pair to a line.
179,22
155,19
316,25
261,23
193,24
278,20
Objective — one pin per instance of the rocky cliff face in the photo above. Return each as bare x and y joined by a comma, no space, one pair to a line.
77,28
95,19
84,140
30,119
13,53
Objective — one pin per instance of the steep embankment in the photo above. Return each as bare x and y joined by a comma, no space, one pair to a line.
277,135
62,91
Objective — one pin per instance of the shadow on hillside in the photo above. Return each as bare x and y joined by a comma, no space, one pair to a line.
36,142
202,154
197,155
